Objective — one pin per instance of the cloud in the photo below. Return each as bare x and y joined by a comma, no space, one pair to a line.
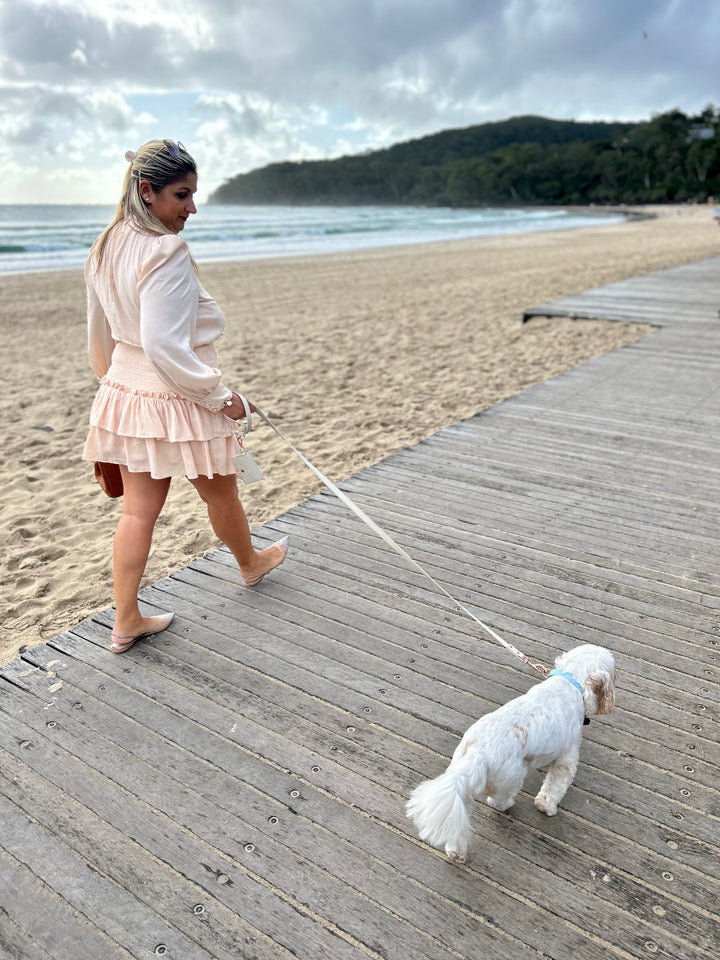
250,131
69,44
245,82
43,117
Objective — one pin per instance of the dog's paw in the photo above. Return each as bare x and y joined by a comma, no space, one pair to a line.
545,805
455,854
502,806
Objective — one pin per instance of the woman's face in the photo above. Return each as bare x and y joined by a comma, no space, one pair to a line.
174,203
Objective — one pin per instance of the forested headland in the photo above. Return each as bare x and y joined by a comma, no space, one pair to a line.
524,160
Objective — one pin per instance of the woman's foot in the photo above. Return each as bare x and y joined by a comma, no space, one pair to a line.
148,626
265,561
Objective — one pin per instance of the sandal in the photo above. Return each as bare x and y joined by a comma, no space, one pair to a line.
120,644
283,546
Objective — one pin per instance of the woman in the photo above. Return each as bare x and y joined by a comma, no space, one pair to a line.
161,410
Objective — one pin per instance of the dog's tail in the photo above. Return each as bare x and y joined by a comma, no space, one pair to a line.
438,807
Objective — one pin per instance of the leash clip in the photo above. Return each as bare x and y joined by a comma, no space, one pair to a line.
539,667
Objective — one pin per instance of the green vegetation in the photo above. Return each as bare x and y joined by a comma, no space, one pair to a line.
524,160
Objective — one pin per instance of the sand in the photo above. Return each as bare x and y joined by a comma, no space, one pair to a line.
354,356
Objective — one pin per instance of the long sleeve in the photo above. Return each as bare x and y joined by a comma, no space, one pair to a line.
168,291
100,340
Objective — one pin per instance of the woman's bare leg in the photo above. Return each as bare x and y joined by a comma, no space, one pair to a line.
143,499
230,524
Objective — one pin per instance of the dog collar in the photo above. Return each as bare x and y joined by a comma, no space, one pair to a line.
568,677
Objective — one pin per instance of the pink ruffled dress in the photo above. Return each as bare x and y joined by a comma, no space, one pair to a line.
151,336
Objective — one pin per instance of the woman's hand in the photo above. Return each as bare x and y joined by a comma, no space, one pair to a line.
236,410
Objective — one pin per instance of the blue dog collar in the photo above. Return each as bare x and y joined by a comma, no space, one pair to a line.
568,677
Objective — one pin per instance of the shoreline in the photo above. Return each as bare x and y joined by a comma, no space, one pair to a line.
353,354
352,232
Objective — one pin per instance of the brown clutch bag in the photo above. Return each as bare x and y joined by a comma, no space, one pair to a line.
110,479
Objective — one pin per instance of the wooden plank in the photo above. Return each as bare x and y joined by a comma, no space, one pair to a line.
349,613
624,427
285,837
448,527
633,597
546,477
651,676
630,299
147,880
660,782
620,458
372,705
327,775
550,499
204,781
270,737
492,546
554,486
226,875
16,942
336,572
600,442
415,611
42,925
124,919
506,527
640,733
657,725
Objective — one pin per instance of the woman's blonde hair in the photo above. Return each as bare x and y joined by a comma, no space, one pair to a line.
160,162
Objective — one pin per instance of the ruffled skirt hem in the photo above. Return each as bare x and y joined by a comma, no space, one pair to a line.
163,458
136,421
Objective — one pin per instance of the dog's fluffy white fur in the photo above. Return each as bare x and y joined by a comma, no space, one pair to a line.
541,729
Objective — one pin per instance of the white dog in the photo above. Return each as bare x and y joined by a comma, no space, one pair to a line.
541,729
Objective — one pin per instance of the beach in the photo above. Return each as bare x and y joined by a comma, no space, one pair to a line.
353,355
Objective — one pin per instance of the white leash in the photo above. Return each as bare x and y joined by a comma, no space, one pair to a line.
369,522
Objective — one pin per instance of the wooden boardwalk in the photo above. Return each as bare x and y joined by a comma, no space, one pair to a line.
234,788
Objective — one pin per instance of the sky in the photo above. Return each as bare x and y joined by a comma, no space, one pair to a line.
243,83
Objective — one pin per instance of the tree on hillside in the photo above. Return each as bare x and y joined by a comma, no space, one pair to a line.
524,160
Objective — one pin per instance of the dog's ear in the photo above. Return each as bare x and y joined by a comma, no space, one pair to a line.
599,694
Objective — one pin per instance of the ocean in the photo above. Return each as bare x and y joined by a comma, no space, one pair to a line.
35,237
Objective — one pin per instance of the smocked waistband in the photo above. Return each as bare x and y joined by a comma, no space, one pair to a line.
131,368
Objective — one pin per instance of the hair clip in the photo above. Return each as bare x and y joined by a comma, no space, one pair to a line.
130,156
174,148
